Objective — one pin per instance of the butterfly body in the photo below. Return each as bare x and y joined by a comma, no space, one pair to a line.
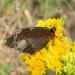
35,37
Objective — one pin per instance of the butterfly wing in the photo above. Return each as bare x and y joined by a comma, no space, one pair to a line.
34,45
36,38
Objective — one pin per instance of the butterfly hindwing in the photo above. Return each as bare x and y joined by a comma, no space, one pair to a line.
33,45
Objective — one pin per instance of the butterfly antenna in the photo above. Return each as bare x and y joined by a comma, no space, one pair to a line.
61,41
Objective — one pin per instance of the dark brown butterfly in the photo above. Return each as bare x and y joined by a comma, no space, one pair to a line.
30,40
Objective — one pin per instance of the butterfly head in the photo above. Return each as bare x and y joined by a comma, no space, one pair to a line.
52,32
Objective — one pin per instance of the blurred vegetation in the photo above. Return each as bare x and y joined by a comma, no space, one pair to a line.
45,7
5,69
21,13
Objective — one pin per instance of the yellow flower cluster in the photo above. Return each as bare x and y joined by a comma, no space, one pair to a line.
50,57
57,23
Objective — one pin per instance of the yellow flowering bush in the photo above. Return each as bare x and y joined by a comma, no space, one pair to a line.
54,55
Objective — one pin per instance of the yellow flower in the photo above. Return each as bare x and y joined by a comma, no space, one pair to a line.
36,67
35,63
48,58
40,23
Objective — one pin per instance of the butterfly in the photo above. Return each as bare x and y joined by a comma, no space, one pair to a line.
31,39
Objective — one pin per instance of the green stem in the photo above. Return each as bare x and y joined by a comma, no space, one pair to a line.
46,9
